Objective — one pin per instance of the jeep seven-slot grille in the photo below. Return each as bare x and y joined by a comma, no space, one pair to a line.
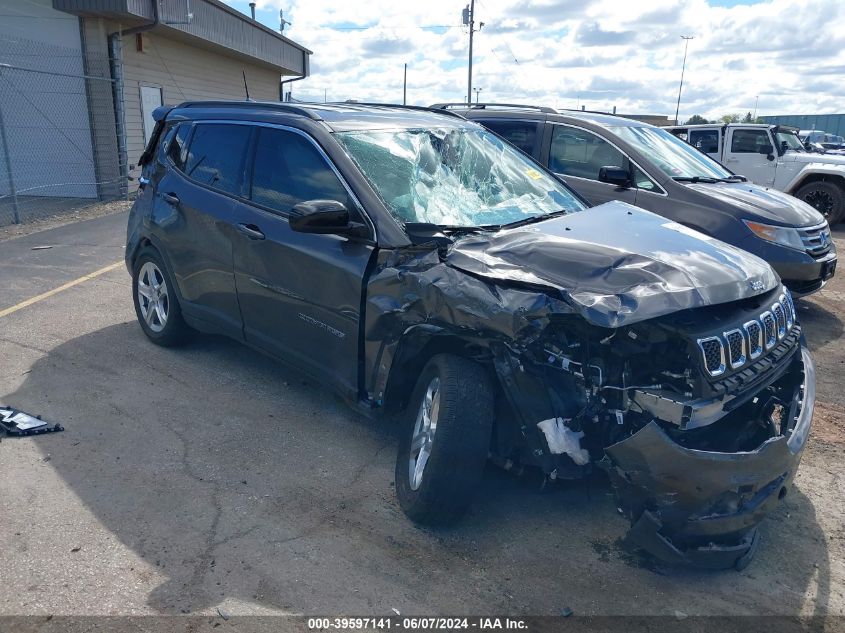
735,348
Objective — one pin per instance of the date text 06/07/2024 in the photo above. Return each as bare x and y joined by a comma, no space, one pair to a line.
416,623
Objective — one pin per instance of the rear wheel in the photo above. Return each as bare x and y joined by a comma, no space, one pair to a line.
445,440
826,197
156,304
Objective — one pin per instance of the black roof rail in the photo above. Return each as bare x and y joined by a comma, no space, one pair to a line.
484,106
395,105
268,105
576,110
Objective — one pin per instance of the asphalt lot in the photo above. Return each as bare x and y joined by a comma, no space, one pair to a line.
210,477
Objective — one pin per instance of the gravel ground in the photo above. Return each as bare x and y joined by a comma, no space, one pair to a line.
12,231
209,478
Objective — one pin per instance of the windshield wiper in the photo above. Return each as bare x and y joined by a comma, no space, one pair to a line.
710,180
706,179
530,220
430,227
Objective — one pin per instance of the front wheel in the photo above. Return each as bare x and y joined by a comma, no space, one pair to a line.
825,197
444,441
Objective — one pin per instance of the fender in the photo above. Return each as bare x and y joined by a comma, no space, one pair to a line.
398,363
811,169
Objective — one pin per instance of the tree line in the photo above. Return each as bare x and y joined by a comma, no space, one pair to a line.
696,119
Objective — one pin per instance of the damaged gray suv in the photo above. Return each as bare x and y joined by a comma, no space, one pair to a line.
420,265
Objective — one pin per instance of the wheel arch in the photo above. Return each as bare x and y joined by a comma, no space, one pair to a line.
416,347
808,178
149,241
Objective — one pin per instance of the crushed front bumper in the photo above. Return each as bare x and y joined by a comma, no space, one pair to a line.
702,508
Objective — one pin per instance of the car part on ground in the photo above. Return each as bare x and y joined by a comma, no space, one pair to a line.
16,422
435,269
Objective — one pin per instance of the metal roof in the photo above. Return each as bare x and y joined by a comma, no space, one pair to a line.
213,23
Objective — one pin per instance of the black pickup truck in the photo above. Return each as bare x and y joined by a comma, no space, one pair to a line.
420,265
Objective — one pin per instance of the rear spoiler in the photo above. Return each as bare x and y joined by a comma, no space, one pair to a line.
159,116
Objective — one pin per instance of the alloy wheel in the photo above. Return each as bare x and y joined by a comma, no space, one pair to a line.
423,435
153,297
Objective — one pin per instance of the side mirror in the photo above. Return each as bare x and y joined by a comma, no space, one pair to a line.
327,217
765,149
615,176
783,147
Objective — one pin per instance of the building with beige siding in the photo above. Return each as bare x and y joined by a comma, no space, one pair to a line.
79,80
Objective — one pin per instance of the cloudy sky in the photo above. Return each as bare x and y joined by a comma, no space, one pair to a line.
568,53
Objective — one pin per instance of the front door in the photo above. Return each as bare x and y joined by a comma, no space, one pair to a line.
300,294
745,155
576,155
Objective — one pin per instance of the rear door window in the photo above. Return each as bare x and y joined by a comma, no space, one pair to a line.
216,156
522,134
579,153
288,169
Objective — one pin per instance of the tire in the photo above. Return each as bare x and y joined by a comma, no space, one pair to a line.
156,304
457,448
826,197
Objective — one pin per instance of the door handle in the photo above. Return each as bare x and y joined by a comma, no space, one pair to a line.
170,198
251,231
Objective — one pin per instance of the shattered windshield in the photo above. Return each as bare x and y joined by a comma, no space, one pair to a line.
673,156
459,177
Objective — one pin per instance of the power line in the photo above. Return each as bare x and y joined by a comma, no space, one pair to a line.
383,26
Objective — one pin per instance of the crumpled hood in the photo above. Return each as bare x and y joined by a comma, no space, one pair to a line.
616,264
759,203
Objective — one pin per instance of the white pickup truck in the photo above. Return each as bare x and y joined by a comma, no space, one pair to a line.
771,157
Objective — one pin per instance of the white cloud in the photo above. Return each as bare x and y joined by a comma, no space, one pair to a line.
603,53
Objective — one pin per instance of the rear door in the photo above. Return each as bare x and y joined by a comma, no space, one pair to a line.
193,216
744,155
576,155
300,294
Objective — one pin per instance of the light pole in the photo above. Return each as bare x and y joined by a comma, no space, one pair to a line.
468,19
686,39
477,90
405,87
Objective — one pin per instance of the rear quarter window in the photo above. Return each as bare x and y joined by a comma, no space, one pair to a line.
177,145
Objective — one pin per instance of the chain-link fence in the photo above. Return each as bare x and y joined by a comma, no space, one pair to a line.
58,136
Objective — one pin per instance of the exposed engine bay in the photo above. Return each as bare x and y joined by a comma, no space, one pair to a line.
713,381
